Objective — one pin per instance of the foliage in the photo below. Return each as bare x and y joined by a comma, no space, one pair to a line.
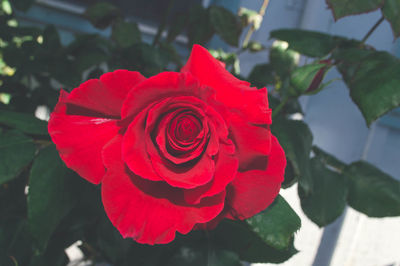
39,195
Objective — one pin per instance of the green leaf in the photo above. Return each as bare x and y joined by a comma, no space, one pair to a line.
371,191
203,253
328,199
226,25
373,79
125,34
296,139
391,11
16,152
290,177
309,43
239,237
261,75
282,59
200,30
26,123
308,78
277,224
328,159
51,195
178,24
342,8
22,5
51,39
102,14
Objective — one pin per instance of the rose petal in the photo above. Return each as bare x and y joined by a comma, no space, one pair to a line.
253,143
225,171
80,139
171,150
159,87
230,91
150,212
105,95
159,117
253,191
196,173
134,152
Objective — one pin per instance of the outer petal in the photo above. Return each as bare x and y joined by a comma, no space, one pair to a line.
253,191
106,95
253,143
230,91
150,212
80,139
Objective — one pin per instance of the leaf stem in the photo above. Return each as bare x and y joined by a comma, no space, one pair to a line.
251,30
163,24
278,109
372,29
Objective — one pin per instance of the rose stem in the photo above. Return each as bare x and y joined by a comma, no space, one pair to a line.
251,30
372,29
163,24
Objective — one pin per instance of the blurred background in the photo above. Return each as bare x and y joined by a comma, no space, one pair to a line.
336,123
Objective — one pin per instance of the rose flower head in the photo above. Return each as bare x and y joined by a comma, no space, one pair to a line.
174,152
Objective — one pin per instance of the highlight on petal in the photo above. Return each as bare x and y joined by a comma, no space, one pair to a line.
230,91
105,95
149,212
80,139
254,190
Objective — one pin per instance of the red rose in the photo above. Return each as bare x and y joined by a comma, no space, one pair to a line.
173,152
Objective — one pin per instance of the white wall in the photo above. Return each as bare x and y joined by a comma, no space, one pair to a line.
339,128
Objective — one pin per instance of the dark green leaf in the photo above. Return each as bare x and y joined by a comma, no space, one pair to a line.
178,24
328,199
391,11
296,139
51,195
277,224
310,43
373,79
226,24
16,152
200,30
240,238
308,78
22,5
102,14
290,176
261,75
26,123
282,60
371,191
203,253
125,34
51,39
328,159
89,59
342,8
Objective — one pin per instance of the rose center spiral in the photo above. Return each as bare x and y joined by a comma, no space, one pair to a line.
187,127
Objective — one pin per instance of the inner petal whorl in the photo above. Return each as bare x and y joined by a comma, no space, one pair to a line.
186,127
